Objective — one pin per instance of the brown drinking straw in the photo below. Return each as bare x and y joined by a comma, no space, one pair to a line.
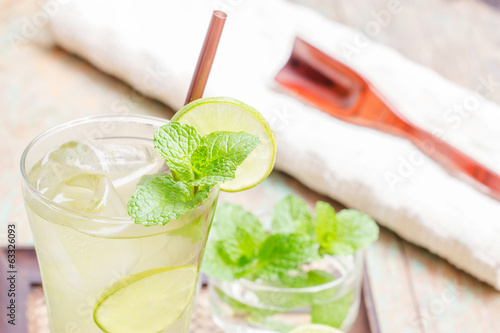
207,55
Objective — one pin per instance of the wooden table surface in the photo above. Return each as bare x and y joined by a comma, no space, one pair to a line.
414,291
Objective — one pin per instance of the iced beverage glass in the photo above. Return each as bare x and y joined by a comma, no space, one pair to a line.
77,179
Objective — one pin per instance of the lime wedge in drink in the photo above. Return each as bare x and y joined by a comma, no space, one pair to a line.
149,301
313,328
213,114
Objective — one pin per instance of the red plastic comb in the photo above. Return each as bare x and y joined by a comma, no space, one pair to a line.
339,91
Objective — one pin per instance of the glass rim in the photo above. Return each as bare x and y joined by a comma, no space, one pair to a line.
254,286
146,119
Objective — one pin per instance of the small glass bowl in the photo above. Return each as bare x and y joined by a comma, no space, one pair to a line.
243,306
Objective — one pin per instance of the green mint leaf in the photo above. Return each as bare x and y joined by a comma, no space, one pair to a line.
302,279
274,324
254,314
317,277
218,171
176,143
161,199
196,164
218,264
236,234
297,299
281,253
325,225
219,154
199,159
291,215
146,178
214,266
236,146
233,221
353,230
332,313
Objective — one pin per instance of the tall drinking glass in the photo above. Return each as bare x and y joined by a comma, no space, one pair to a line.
96,264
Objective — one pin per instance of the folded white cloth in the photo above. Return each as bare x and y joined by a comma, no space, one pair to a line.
153,45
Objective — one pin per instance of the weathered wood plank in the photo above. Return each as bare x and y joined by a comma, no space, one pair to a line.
392,284
449,299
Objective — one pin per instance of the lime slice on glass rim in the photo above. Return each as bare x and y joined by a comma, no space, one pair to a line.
315,328
213,114
149,301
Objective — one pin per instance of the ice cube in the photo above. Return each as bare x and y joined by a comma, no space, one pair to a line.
62,163
127,161
73,175
90,193
85,157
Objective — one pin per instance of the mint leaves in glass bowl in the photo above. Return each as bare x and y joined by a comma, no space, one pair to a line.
303,268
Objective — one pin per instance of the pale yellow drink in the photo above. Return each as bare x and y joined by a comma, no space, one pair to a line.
95,262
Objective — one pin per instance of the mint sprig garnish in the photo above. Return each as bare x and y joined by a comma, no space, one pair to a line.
240,248
217,156
291,215
249,230
228,256
176,143
197,163
343,233
161,199
332,313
